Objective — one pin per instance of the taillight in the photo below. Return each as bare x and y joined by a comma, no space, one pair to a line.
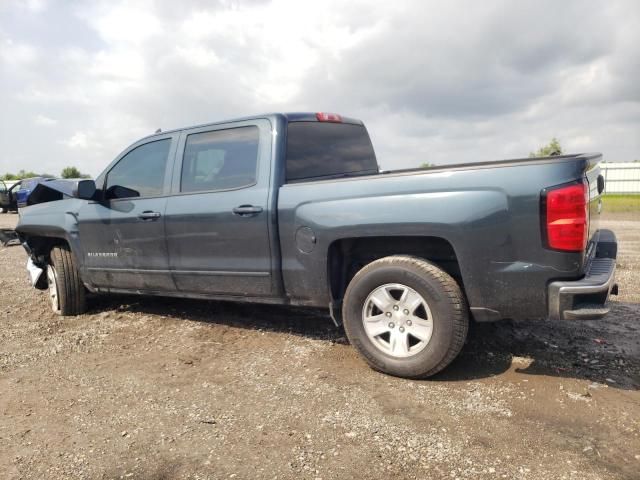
566,210
328,117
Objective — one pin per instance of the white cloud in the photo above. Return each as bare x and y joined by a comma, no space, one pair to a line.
437,82
15,54
44,120
124,22
198,56
78,140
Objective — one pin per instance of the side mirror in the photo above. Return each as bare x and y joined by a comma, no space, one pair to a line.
84,189
118,191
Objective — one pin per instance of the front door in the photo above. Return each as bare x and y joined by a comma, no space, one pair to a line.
122,234
217,220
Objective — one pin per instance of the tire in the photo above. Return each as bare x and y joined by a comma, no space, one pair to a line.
376,321
66,289
4,210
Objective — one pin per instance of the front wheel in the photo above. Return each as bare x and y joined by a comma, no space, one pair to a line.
66,290
406,316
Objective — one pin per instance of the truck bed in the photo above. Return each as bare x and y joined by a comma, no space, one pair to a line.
488,213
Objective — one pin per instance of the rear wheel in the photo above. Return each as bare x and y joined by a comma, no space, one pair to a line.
406,316
66,290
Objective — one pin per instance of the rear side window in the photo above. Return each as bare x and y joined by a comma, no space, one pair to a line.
220,160
323,149
140,172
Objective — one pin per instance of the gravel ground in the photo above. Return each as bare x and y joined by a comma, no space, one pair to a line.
152,388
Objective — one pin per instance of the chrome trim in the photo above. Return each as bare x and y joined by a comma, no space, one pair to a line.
181,272
589,284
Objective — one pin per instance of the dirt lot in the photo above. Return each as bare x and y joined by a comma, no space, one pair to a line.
151,388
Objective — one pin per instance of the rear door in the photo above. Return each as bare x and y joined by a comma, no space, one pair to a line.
123,235
217,219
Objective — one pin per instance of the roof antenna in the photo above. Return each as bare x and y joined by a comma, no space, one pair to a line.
159,130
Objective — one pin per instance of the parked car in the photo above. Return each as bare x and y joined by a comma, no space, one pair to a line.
8,197
293,209
26,187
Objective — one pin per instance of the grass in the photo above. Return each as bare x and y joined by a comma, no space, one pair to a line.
621,203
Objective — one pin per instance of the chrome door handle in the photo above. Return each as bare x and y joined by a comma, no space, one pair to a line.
246,210
149,215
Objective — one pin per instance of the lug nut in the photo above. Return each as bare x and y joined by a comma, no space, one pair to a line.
402,329
391,325
406,312
396,307
408,323
388,314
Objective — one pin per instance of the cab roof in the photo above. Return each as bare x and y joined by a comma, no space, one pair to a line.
286,117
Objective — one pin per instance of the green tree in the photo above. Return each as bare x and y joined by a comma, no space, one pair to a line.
549,150
427,165
19,176
72,172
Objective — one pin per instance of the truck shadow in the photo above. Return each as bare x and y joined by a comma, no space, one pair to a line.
606,351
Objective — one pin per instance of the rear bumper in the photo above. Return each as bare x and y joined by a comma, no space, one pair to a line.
586,299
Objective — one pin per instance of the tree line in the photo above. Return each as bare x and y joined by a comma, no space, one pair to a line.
67,172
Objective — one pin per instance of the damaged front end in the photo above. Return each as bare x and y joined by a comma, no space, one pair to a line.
36,265
35,274
60,189
8,237
50,220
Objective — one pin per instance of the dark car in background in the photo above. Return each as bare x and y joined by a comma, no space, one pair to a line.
8,196
26,187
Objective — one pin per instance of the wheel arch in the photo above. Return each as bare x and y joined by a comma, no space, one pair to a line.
348,255
39,243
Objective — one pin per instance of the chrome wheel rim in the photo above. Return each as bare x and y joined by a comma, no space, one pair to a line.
53,288
397,320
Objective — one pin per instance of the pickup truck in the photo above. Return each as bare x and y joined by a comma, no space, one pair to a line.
8,197
293,209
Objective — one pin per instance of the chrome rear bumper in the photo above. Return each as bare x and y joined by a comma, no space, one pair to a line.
586,299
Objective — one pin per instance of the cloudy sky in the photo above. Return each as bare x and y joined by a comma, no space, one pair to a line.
437,82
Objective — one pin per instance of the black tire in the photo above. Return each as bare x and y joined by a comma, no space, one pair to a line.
448,313
70,290
4,210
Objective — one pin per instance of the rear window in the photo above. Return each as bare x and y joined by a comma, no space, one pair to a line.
323,149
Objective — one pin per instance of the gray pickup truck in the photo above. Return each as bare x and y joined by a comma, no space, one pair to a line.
293,209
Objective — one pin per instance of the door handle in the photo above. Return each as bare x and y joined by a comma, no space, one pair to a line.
246,210
149,215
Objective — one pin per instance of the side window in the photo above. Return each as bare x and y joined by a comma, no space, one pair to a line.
140,173
220,159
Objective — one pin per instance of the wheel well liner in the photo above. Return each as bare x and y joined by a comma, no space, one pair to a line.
347,256
40,247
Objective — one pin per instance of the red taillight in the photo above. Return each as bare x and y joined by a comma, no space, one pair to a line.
567,217
328,117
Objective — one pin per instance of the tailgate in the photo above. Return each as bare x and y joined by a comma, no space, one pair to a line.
596,187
